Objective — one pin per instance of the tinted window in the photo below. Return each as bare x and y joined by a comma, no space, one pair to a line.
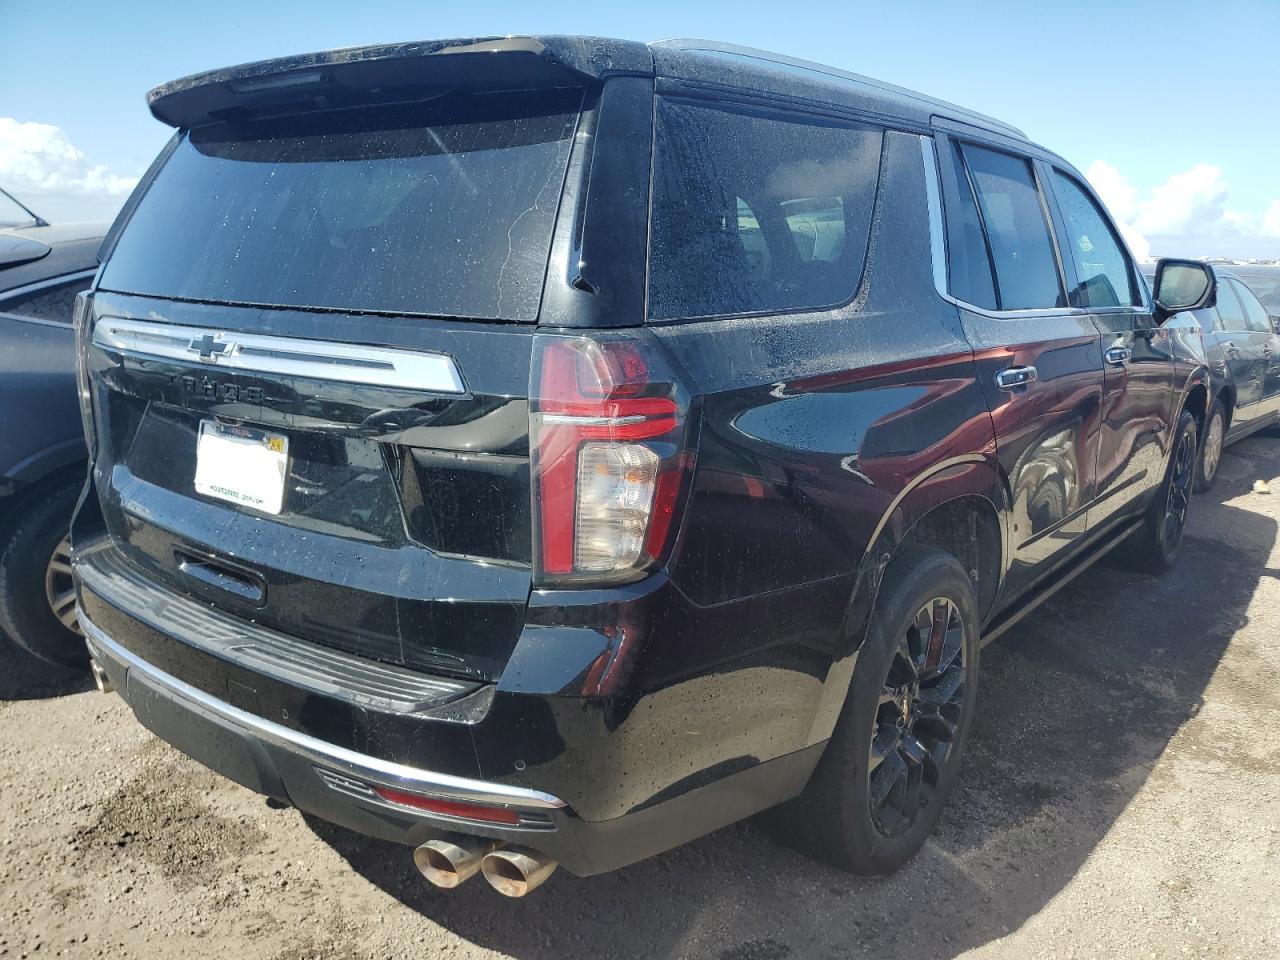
51,303
1208,319
443,208
1230,314
1102,267
757,211
1255,313
1026,270
968,264
1266,289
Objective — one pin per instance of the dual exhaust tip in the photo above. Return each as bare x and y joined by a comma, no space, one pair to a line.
453,859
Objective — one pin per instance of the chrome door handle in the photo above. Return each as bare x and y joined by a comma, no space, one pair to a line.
1014,377
1118,356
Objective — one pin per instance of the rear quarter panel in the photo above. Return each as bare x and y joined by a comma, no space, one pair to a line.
823,438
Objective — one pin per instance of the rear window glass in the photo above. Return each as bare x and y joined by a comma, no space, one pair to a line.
1026,267
757,210
443,208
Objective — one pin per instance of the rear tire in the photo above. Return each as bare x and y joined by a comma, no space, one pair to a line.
1215,433
1153,547
893,758
35,577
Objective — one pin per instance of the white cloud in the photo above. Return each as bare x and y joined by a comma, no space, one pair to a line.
41,166
1186,203
1190,207
1271,220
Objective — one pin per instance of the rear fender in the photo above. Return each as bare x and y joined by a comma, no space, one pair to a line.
972,476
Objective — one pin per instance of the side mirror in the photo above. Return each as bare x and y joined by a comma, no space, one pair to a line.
1184,285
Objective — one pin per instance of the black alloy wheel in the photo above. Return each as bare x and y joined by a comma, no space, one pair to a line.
1153,546
896,749
1178,496
920,707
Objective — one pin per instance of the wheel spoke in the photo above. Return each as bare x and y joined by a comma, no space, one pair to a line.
914,756
903,670
885,777
883,744
64,608
938,623
932,721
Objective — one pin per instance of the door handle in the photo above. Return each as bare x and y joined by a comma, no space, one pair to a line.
1014,377
1118,356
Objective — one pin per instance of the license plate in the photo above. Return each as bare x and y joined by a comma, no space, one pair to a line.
242,465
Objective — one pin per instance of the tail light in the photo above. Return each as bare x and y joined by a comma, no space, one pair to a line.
608,459
80,320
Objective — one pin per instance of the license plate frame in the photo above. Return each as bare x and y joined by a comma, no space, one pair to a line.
243,465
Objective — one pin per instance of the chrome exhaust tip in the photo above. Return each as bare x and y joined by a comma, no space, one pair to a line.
517,871
451,860
100,678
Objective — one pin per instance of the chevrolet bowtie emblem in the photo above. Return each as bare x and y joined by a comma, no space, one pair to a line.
210,348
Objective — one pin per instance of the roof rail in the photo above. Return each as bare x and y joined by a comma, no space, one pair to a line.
752,53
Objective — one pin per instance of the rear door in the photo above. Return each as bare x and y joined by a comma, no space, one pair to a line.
1038,359
1137,354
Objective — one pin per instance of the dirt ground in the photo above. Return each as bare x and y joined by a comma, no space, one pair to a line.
1119,800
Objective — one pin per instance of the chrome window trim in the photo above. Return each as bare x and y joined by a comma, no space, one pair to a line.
937,231
332,756
282,356
937,248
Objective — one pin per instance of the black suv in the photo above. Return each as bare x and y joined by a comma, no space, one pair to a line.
550,450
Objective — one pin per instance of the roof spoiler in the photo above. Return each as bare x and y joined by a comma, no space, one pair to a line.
390,73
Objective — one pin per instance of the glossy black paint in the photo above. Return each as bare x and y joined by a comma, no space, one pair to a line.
820,442
37,360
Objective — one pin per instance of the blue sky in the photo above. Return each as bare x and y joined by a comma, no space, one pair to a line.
1172,108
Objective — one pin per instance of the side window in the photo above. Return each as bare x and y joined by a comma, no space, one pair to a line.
1026,268
51,303
1255,313
757,210
1230,313
1102,266
968,263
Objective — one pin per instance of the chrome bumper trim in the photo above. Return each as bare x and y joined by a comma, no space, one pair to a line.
384,772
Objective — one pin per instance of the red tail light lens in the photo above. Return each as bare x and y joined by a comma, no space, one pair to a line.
607,460
449,808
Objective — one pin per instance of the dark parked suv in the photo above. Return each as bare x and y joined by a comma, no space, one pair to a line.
1242,349
42,450
550,450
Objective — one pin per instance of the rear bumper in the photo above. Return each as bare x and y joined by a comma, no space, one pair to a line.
337,784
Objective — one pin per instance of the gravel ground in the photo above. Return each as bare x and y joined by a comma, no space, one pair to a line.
1119,800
